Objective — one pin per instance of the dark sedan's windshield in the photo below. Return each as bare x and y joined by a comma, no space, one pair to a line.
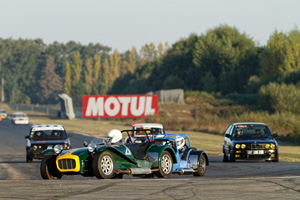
251,131
48,135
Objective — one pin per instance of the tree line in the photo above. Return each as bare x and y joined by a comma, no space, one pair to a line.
222,60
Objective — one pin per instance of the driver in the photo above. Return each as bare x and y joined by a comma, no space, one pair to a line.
180,144
115,136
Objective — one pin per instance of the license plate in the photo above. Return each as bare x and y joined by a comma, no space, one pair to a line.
256,152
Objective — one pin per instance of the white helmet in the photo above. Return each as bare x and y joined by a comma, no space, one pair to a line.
115,135
180,142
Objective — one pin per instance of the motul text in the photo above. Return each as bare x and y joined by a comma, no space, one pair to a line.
119,106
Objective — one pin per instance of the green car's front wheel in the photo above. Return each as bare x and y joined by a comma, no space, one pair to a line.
103,165
48,168
166,166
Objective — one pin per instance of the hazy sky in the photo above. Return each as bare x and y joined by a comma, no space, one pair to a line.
121,24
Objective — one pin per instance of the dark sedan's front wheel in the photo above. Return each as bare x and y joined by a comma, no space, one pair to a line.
28,158
48,168
225,157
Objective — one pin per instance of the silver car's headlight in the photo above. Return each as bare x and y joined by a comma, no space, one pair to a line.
34,147
92,147
58,148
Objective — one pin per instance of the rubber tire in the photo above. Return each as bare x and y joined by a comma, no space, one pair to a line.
48,168
160,173
96,165
225,157
202,163
28,158
231,159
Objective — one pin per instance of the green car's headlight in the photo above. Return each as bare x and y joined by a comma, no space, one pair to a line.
237,146
58,148
92,147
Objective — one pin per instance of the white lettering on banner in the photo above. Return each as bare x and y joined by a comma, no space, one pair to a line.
116,106
124,101
95,107
149,110
141,107
119,106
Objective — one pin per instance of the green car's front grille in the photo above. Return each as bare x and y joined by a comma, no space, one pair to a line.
66,164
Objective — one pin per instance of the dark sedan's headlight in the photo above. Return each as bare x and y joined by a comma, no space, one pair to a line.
270,146
237,146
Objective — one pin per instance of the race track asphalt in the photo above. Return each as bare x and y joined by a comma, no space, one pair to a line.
239,180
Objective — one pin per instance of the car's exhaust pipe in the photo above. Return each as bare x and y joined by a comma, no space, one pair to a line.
185,171
139,171
136,171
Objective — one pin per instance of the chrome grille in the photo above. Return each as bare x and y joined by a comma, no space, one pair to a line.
257,146
66,164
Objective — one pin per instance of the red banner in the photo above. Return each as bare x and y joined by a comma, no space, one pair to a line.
119,106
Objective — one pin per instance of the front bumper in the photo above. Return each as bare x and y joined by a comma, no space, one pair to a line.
270,154
21,122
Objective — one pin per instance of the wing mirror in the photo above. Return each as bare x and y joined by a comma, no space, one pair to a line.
227,135
275,134
85,144
26,137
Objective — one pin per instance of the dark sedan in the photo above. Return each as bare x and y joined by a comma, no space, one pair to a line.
43,137
249,141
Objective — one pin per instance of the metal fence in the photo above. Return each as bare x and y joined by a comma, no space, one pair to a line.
30,109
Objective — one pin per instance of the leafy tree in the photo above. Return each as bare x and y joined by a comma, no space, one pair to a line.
130,62
272,60
208,82
280,97
231,58
89,75
50,83
68,85
96,74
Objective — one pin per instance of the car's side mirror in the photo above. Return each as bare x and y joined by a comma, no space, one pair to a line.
275,134
227,135
26,136
85,144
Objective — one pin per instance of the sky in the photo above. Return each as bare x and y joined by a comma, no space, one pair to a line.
121,24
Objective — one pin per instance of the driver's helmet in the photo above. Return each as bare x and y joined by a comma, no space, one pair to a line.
114,135
180,142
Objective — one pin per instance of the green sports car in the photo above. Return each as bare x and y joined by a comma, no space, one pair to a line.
106,160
